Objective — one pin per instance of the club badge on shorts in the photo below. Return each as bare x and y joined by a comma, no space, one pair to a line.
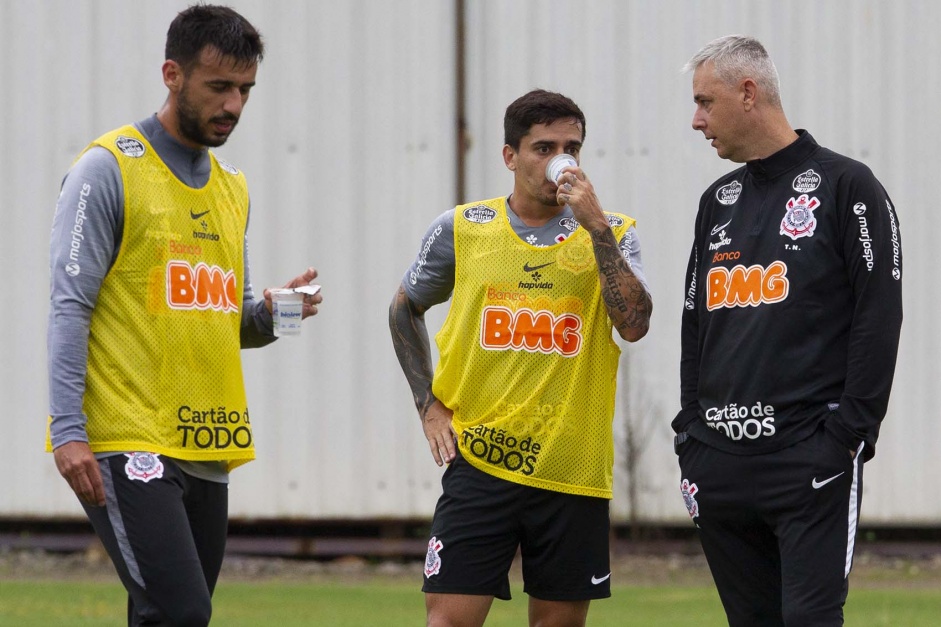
433,558
689,490
143,466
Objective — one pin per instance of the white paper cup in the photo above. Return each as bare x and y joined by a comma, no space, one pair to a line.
287,309
557,164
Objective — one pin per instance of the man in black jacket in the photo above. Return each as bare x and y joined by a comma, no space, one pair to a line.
793,308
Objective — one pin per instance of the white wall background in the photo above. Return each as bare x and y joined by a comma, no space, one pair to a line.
349,147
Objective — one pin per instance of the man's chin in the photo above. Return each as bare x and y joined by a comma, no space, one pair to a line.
725,154
214,140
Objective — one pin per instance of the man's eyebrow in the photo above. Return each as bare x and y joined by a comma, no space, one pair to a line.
549,142
224,81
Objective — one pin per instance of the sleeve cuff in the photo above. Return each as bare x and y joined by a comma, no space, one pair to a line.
843,435
684,418
68,428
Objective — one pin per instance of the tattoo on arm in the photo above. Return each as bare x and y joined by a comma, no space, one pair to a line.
628,303
412,347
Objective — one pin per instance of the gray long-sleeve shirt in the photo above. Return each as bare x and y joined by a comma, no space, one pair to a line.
86,238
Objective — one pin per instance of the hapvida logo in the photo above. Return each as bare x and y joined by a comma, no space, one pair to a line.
537,282
210,236
205,233
723,241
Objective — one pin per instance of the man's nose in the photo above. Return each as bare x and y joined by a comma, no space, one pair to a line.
234,101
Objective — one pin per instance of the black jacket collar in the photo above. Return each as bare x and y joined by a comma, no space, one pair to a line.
785,159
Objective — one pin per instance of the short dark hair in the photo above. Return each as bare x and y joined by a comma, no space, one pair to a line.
537,107
222,28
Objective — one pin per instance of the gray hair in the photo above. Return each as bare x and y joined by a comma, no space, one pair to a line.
736,57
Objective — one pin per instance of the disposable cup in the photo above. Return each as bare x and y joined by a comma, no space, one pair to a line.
287,308
557,164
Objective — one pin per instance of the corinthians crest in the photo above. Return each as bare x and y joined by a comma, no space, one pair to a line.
689,491
143,466
433,557
799,221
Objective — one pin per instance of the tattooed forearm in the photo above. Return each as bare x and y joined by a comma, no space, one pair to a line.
412,347
628,303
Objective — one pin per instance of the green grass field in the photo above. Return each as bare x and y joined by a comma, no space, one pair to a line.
394,603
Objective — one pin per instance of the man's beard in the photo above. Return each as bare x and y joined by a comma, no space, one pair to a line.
188,117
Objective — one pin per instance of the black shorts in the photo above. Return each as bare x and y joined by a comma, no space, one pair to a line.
777,529
480,522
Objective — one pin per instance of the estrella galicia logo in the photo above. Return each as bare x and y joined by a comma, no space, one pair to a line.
228,167
729,193
569,224
614,220
806,182
479,214
130,146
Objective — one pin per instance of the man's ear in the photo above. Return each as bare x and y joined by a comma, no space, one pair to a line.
748,89
172,75
509,157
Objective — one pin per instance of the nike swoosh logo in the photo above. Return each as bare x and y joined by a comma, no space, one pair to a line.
197,216
716,229
529,268
819,484
596,580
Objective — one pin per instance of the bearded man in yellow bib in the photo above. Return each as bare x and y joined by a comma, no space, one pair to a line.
151,302
521,402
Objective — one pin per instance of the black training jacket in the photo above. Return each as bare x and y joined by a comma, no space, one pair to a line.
793,304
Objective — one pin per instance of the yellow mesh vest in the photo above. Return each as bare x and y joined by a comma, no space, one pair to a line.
164,364
527,358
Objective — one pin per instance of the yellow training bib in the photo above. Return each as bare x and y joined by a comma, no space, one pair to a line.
164,364
527,359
